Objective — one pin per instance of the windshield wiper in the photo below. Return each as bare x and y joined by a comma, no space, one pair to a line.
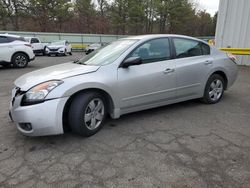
79,62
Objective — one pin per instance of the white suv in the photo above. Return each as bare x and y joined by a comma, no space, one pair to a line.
14,51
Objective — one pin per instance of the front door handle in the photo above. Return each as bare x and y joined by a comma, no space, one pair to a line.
208,62
168,70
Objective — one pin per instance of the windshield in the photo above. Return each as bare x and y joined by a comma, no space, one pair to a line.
107,54
95,45
58,43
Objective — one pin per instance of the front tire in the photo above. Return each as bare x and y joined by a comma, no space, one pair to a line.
20,60
214,89
87,113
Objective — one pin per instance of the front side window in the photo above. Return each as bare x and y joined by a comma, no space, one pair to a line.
153,50
190,48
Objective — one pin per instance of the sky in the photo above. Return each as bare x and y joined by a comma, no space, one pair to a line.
211,6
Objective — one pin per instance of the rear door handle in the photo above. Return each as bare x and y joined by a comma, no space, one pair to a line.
208,62
168,70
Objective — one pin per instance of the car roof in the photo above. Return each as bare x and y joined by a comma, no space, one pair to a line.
30,37
9,35
59,41
152,36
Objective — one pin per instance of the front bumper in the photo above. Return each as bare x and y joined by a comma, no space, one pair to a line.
33,58
45,118
58,52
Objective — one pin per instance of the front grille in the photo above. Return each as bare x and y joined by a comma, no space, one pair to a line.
54,50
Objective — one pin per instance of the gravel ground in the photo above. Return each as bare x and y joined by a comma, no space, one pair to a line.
185,145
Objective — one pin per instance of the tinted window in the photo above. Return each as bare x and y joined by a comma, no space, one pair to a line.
153,50
11,39
3,39
205,49
34,40
189,48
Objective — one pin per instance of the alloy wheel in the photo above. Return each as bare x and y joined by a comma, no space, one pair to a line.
216,90
94,114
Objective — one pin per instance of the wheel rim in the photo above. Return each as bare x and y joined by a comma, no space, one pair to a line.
216,90
94,114
21,61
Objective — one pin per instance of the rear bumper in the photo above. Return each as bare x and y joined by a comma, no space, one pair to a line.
33,58
232,72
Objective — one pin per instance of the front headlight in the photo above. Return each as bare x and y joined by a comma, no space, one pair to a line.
38,93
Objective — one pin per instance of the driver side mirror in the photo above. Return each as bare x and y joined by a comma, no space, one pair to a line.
131,61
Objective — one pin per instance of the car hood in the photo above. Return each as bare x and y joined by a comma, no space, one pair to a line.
55,46
57,72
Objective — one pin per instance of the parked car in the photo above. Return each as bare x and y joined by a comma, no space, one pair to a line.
59,48
15,51
129,75
37,45
92,47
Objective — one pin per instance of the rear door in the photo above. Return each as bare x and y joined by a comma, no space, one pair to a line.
5,49
153,81
193,63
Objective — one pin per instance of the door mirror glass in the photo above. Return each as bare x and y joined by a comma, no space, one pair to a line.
131,61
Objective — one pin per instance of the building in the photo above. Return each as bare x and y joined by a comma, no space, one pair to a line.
233,26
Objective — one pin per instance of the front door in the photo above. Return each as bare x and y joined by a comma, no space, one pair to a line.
151,82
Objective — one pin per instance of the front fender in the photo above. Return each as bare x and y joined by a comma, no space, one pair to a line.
69,90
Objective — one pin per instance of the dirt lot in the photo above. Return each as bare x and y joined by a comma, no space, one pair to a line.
186,145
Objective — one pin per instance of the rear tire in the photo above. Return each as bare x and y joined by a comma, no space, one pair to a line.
214,89
87,113
20,60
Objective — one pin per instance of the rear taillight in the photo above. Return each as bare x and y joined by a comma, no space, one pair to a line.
28,45
232,57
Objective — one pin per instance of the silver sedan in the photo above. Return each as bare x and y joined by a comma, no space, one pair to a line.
131,74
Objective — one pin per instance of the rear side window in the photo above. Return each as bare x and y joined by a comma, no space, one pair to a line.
153,51
11,39
190,48
205,49
3,39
